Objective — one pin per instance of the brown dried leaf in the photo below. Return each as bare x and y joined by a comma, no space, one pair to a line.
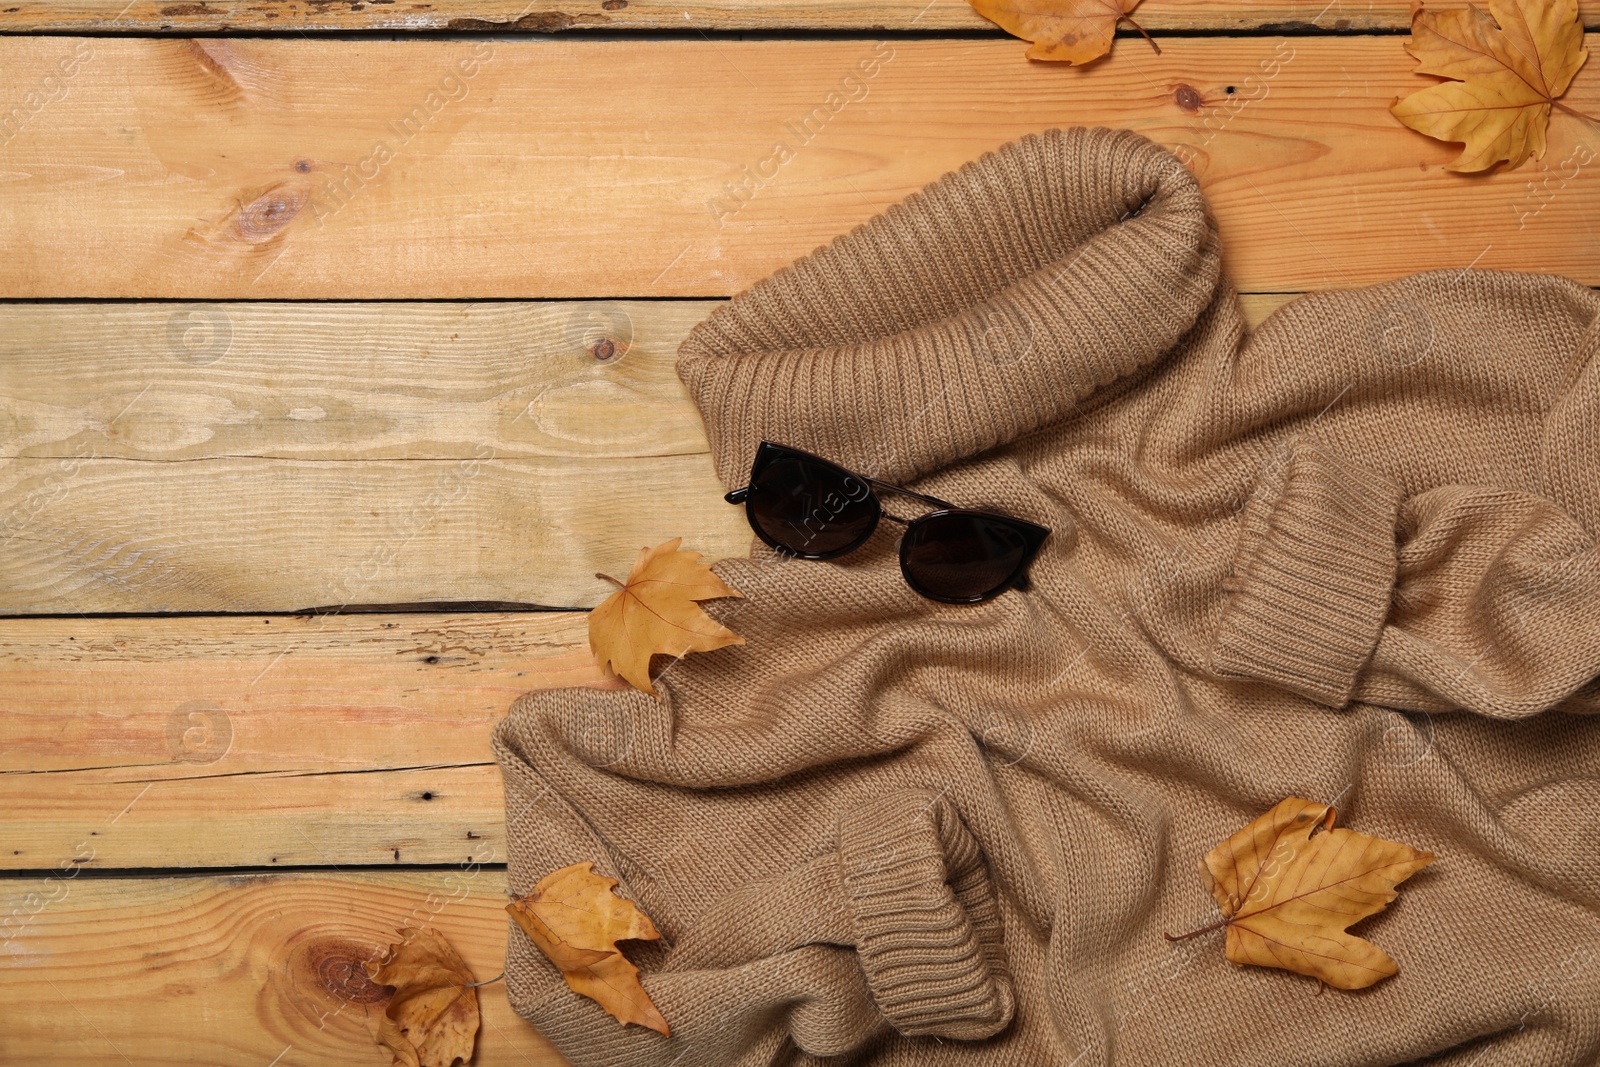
432,1018
1511,64
1067,31
1289,884
576,920
655,612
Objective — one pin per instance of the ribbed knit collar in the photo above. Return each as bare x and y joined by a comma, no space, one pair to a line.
1029,278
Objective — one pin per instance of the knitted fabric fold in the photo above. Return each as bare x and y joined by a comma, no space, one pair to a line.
1350,556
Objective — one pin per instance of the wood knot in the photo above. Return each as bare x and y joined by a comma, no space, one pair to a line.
614,5
340,968
604,350
1187,98
266,216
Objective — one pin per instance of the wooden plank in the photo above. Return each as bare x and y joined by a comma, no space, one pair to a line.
248,969
280,535
133,818
271,457
159,382
342,381
249,741
553,16
561,168
559,421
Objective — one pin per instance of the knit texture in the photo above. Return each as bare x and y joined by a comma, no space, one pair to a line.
1350,557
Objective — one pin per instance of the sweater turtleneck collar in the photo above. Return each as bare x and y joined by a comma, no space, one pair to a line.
985,306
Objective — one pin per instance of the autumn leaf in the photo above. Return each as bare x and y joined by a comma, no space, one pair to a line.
1289,884
432,1018
1067,31
1509,65
576,920
654,611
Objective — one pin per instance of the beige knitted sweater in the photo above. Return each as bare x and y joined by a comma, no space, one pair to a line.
1349,557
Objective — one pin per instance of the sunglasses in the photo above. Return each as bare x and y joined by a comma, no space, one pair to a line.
806,506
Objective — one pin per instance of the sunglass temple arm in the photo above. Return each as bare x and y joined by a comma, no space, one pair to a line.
738,496
924,497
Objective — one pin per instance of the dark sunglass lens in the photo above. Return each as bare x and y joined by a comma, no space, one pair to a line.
812,509
963,557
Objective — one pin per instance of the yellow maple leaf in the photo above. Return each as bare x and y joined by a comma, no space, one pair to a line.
1510,64
432,1018
1289,884
655,612
1067,31
576,920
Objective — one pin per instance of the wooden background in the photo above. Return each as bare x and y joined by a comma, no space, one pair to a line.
250,366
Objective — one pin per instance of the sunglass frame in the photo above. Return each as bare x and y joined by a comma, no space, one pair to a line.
1033,534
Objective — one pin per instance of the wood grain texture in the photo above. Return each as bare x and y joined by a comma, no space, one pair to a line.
349,381
554,16
589,380
249,741
554,168
251,969
131,818
249,534
277,457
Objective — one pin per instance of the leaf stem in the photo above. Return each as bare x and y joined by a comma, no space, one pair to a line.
610,579
1219,924
475,985
1129,20
1574,112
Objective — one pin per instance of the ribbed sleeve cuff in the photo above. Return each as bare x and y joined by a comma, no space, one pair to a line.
925,920
1313,577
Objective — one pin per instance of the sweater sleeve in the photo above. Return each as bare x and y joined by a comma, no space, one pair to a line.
1496,607
888,926
905,899
1462,596
986,305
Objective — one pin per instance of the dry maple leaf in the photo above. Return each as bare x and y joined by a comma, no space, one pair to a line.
1510,65
431,1020
654,611
1289,884
1068,31
576,920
